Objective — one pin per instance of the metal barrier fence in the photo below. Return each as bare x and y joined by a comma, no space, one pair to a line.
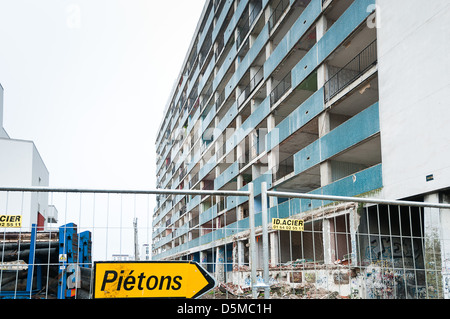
273,245
51,237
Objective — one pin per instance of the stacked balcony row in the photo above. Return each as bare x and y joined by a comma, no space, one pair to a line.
261,87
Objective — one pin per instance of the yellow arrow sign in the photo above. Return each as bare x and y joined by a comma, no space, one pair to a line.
151,279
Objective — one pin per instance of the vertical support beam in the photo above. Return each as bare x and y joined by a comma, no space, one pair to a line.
354,223
265,239
325,167
328,248
273,249
240,253
251,240
220,263
31,259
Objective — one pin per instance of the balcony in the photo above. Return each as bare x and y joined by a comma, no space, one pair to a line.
284,168
277,12
256,79
193,180
246,24
282,87
351,71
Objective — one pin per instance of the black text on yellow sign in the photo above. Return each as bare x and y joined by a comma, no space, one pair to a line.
288,224
150,280
10,221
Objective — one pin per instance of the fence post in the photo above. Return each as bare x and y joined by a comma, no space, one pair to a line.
265,240
31,260
251,240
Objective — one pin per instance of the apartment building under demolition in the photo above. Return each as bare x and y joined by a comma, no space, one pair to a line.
337,97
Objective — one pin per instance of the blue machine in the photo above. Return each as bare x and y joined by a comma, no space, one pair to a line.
74,251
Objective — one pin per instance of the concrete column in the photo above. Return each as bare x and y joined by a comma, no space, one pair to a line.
220,263
240,253
203,257
321,28
251,40
354,223
256,171
328,250
240,148
251,142
267,13
325,167
274,253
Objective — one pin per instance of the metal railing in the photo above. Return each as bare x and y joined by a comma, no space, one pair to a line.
354,247
280,89
39,260
247,23
283,168
351,71
277,13
254,81
346,247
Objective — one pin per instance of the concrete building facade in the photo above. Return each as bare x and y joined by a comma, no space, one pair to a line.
328,97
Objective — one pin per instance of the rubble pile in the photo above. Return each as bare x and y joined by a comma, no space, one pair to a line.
277,291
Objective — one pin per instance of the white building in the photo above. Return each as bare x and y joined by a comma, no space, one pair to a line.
22,166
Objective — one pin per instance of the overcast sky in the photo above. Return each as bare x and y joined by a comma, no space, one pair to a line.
88,81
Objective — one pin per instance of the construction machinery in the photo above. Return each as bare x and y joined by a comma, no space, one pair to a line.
46,264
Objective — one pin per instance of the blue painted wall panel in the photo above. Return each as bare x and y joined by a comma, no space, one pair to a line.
349,133
354,130
310,14
299,117
304,68
307,157
343,27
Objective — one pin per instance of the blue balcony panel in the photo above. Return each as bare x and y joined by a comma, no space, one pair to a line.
226,120
356,184
359,183
208,215
231,172
207,119
304,67
338,32
209,70
355,130
195,201
205,31
247,61
303,23
224,67
257,116
234,20
343,27
299,117
221,19
205,169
